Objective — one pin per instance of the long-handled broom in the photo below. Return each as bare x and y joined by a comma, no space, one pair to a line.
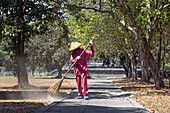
56,87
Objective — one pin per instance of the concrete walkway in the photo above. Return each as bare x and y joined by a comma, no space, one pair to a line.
104,97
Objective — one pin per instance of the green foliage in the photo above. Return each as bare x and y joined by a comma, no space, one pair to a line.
167,67
21,19
5,60
49,48
3,57
21,16
148,19
110,40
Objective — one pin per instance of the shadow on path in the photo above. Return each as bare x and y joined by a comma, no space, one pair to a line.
104,97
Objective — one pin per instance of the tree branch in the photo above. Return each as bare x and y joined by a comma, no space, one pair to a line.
165,6
162,7
122,22
100,4
127,10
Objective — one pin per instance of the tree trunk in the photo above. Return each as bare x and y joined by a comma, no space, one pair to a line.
133,65
153,66
145,71
19,52
32,70
21,68
129,67
155,71
59,72
122,62
59,68
163,58
144,66
22,73
159,52
126,70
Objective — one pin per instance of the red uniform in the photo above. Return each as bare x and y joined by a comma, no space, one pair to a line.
80,69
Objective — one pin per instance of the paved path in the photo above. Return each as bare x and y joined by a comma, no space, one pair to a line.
104,98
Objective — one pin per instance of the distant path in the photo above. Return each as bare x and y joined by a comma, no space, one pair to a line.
104,98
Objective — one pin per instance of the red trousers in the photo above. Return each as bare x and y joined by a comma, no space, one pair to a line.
82,80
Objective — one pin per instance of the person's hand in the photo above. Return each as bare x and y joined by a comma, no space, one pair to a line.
91,42
78,57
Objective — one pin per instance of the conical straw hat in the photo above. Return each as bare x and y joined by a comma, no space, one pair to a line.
74,45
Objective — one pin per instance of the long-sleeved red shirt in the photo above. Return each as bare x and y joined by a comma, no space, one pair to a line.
81,65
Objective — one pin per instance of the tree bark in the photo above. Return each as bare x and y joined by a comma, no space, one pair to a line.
159,52
59,68
129,67
126,70
32,70
145,71
123,63
22,73
144,66
155,71
153,66
133,65
59,72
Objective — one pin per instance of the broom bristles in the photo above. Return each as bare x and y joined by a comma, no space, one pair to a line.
56,87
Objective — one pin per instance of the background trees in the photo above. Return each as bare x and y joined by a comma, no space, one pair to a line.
5,60
19,20
50,48
141,19
136,32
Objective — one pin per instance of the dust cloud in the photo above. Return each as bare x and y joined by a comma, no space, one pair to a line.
36,95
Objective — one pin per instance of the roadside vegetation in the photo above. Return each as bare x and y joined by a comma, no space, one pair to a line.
155,101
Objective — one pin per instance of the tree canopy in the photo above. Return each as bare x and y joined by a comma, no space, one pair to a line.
137,32
21,19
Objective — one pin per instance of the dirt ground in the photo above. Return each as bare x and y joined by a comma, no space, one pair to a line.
156,101
28,100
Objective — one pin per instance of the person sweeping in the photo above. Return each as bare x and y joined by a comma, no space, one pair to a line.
80,67
82,73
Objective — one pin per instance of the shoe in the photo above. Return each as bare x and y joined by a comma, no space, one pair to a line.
79,97
86,97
